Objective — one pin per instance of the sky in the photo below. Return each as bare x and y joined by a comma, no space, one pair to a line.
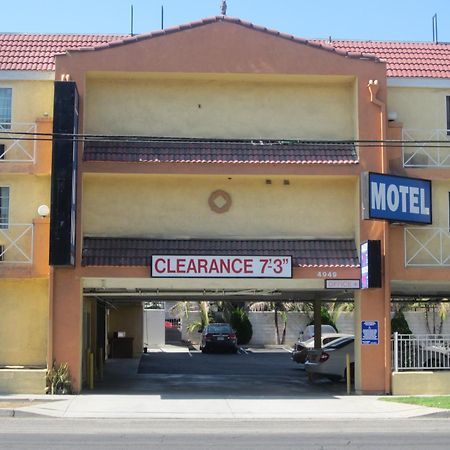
395,20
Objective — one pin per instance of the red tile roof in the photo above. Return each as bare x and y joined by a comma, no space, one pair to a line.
404,59
166,150
37,51
138,252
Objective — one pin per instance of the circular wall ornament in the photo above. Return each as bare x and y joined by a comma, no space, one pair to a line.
219,201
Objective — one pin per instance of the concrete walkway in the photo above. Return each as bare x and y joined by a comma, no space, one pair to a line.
131,398
153,406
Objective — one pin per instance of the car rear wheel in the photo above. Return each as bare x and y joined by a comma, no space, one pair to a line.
334,378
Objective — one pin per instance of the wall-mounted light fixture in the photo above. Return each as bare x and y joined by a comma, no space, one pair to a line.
43,210
392,116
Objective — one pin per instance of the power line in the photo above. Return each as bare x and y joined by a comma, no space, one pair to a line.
78,137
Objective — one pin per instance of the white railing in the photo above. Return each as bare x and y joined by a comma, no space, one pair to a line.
17,142
417,152
427,247
16,244
420,352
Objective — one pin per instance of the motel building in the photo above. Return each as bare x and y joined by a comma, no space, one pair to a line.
220,160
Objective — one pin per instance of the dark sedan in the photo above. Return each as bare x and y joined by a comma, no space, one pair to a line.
218,337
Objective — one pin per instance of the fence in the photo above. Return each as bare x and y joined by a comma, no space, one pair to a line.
420,352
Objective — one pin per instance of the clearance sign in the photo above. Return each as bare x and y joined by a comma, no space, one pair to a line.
182,266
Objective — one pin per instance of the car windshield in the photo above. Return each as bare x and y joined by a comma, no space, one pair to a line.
219,328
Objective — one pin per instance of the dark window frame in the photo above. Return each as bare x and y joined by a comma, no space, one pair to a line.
4,224
447,98
6,120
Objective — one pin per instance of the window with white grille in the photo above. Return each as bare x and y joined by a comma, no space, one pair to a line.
5,108
4,207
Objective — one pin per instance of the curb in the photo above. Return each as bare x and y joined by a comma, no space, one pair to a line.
7,412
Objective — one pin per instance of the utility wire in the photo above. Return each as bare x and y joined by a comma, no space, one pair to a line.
30,136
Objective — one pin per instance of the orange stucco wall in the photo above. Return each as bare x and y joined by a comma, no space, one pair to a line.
217,49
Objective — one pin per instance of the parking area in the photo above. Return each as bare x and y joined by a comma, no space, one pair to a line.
180,372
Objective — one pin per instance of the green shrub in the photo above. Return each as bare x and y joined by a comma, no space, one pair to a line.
325,318
399,324
241,324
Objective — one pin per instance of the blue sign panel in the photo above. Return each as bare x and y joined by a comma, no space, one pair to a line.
369,332
399,199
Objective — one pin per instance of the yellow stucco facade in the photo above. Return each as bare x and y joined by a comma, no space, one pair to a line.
419,108
24,312
24,271
174,205
242,108
30,99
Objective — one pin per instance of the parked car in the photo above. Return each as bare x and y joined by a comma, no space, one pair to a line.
331,361
301,348
308,332
218,336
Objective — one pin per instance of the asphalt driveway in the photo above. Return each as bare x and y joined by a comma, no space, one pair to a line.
180,373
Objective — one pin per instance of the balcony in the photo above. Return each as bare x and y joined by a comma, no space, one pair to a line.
24,249
26,147
16,244
427,247
426,148
17,142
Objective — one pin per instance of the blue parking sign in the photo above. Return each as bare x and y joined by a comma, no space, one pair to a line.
369,332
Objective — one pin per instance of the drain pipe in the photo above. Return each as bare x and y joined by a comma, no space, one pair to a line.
373,87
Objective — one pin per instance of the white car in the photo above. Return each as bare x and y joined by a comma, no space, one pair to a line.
301,348
308,332
331,361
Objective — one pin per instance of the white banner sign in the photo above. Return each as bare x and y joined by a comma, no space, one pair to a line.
342,284
178,266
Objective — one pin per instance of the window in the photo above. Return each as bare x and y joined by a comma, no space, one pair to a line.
4,207
448,114
5,108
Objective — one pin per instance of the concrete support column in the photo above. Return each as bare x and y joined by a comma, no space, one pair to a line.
41,245
67,322
373,362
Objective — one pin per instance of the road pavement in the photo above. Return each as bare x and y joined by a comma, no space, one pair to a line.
40,434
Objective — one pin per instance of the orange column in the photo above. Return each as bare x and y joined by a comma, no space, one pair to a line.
43,155
67,321
373,362
41,246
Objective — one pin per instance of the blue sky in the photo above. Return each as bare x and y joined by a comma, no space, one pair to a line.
370,20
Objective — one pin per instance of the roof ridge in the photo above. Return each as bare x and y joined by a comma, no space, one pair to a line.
234,20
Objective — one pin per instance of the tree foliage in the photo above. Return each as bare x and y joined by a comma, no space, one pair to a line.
242,325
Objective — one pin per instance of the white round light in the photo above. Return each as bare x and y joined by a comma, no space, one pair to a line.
43,210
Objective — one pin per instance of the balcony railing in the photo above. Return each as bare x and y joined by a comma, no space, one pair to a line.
16,244
426,148
427,247
17,142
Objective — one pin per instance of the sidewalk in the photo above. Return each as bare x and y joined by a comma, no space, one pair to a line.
128,394
155,407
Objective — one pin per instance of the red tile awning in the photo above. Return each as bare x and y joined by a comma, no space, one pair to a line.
138,252
173,150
